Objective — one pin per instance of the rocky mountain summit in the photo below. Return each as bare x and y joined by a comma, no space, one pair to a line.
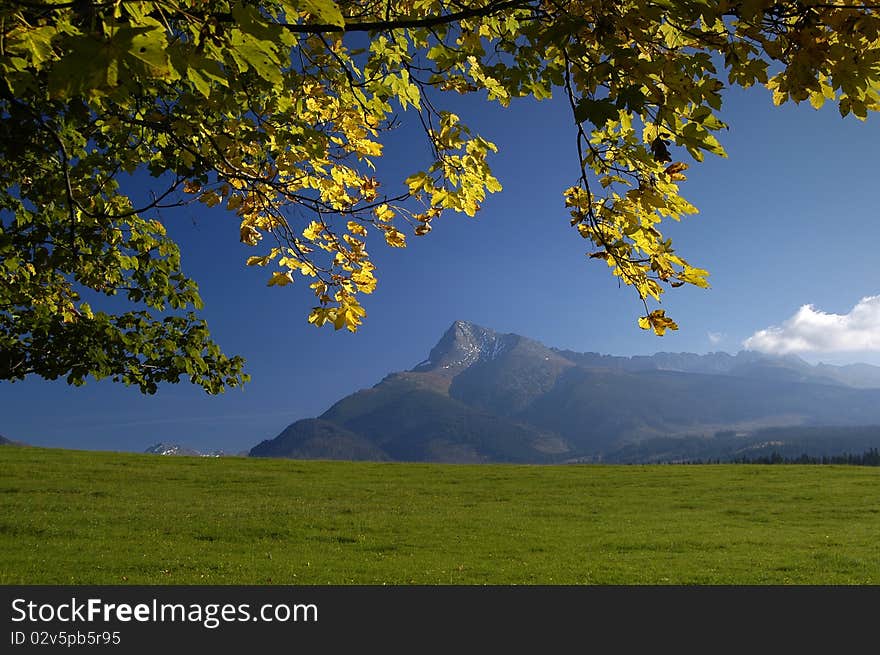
463,345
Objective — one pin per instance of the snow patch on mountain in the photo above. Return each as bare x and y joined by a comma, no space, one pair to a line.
162,448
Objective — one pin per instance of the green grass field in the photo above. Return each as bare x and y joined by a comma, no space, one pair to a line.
77,517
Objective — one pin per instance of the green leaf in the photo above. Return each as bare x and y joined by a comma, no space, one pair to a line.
39,41
250,53
83,71
631,98
598,112
149,46
250,21
325,10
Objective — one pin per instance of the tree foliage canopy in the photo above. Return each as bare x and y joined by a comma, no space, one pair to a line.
275,110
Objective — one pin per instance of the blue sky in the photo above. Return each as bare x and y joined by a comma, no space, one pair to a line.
789,220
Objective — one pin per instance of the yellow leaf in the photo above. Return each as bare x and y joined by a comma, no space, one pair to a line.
313,230
368,188
320,315
234,202
695,276
675,168
371,148
210,198
395,238
357,228
250,235
418,181
658,321
384,213
364,280
280,279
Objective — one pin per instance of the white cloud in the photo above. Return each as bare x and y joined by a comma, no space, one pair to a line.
715,337
812,330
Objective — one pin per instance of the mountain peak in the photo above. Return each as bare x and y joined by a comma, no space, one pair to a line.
462,345
163,448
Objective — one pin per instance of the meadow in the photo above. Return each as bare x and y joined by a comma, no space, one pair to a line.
80,517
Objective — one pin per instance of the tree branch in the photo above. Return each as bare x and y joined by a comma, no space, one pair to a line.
402,23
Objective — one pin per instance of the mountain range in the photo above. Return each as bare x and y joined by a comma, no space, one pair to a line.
483,396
